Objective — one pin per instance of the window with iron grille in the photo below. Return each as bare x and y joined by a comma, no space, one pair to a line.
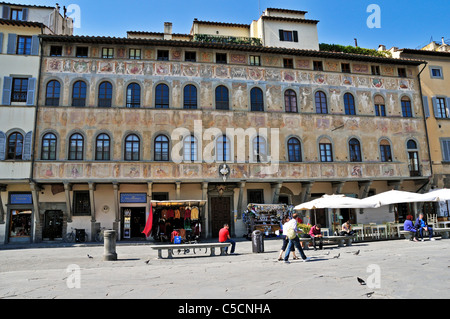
81,203
19,90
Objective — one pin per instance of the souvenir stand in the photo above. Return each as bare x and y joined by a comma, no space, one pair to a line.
181,218
265,218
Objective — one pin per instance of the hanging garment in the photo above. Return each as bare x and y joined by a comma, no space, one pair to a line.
194,213
177,214
187,224
183,233
187,214
164,213
170,213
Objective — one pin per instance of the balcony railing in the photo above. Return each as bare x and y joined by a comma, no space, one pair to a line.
207,38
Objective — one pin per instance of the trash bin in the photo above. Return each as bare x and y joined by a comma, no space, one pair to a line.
257,242
80,236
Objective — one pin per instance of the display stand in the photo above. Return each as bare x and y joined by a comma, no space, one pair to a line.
265,218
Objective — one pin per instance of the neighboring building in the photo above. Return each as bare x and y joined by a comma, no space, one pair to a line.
20,26
346,124
436,99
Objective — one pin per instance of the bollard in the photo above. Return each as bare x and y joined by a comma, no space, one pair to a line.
110,245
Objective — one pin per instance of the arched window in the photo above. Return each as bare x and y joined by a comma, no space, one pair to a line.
223,152
256,99
105,94
325,150
385,151
413,158
355,150
134,95
48,148
290,101
259,149
406,107
349,103
190,97
132,148
222,98
15,146
380,106
162,96
321,103
294,150
161,148
79,94
190,149
103,148
76,147
53,93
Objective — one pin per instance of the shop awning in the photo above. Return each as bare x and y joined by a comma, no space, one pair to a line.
194,202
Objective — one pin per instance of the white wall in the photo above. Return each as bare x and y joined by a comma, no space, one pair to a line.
308,38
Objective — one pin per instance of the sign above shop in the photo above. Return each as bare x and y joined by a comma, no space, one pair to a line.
20,199
133,198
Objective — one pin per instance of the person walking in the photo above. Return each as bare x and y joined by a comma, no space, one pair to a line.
316,235
224,237
409,226
422,225
292,233
285,240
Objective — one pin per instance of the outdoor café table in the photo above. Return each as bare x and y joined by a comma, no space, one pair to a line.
379,228
359,229
399,227
444,223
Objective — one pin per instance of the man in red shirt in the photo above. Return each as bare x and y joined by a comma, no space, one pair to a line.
224,237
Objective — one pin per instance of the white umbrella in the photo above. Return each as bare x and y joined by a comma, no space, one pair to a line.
441,195
396,197
334,201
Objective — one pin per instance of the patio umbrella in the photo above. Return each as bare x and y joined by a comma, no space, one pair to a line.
441,195
334,201
397,197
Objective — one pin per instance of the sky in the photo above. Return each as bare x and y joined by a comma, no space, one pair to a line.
403,23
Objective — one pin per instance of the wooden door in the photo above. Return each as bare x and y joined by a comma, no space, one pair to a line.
220,214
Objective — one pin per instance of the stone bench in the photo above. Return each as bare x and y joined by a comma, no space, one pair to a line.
172,247
407,234
445,232
341,240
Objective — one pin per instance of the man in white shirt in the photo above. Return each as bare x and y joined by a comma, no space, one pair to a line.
296,241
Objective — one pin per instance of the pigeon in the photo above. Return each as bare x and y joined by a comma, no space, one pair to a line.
90,257
362,282
369,294
338,255
327,253
147,261
356,253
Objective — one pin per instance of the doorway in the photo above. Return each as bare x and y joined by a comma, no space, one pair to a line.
133,222
53,225
220,214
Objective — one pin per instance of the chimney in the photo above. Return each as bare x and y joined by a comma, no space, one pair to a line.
443,41
381,47
57,7
167,30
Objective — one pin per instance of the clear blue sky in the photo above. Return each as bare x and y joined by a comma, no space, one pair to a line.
404,23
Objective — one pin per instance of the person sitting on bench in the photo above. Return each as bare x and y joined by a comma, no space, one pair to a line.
408,226
347,229
422,225
316,235
224,237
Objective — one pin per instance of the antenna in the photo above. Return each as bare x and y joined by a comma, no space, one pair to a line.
259,7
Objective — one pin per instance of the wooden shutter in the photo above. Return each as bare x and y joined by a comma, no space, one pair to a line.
295,33
1,42
435,109
426,107
35,45
2,146
7,89
27,145
31,90
281,35
5,14
447,107
445,150
24,14
12,42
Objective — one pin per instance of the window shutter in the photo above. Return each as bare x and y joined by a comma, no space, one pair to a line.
2,146
295,36
446,150
435,109
1,42
35,45
12,42
7,88
25,14
447,107
26,156
31,90
426,107
281,35
5,14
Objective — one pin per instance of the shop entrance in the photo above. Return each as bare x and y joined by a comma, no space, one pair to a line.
133,222
220,214
53,225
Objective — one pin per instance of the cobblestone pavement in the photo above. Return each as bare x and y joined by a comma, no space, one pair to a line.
391,269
